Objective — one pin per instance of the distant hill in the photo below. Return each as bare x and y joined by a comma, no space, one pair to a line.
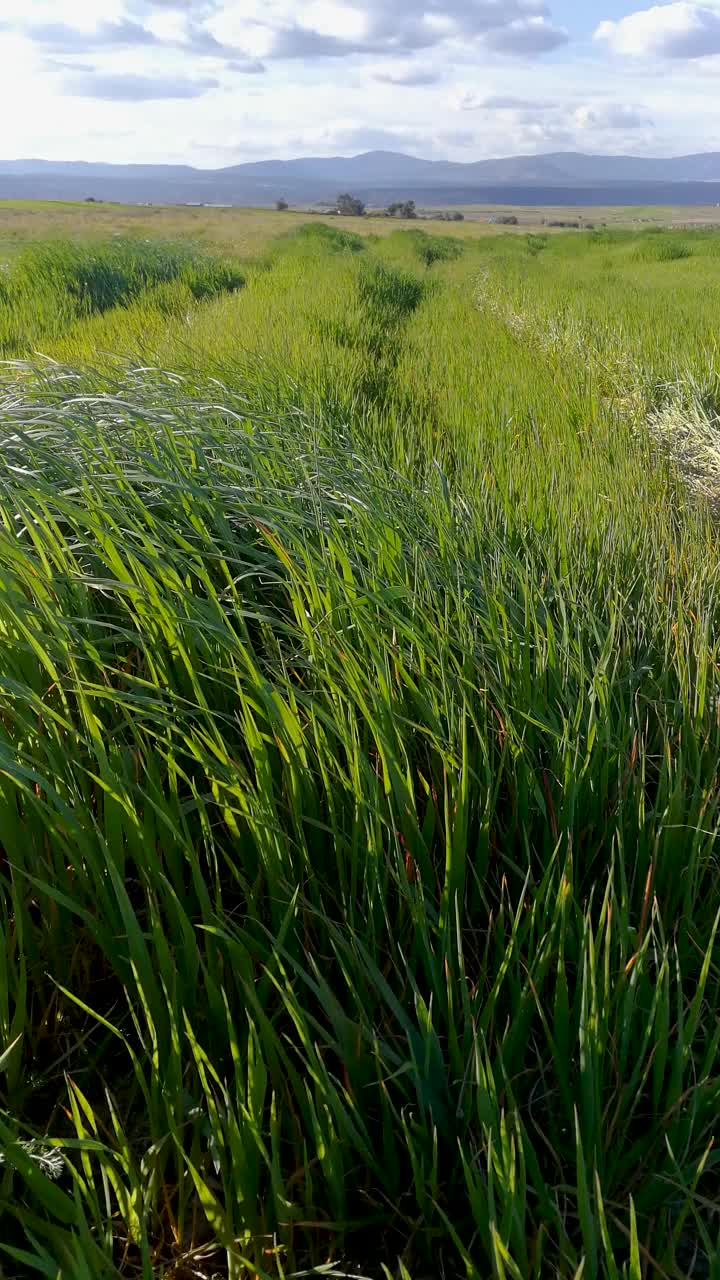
379,176
382,168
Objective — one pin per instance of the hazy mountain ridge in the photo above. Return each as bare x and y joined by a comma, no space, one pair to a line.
377,176
561,167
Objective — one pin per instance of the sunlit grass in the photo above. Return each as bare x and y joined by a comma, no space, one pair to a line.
359,739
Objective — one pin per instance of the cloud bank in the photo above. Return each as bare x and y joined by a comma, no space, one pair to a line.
219,81
677,30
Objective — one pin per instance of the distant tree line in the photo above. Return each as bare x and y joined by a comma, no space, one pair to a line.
350,206
402,209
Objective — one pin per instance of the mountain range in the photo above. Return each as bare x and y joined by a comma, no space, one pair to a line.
378,177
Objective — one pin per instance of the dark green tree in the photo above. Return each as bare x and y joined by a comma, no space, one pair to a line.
402,209
350,206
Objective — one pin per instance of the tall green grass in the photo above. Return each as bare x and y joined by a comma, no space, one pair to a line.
50,286
359,736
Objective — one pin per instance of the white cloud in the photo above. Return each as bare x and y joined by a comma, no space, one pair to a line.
287,29
342,21
354,138
164,30
62,37
610,116
16,11
527,36
677,30
409,75
468,100
456,79
134,88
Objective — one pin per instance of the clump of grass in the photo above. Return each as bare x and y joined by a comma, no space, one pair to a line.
330,239
662,248
52,285
431,249
100,276
386,291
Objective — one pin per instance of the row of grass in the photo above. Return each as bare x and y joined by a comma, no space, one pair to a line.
359,735
52,285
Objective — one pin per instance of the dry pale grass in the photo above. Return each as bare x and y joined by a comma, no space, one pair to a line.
246,233
687,428
249,231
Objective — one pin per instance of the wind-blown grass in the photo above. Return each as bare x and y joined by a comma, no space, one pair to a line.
359,793
51,286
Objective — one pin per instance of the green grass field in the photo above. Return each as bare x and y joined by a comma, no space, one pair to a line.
360,755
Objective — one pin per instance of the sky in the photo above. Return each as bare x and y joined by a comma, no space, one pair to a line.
219,82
